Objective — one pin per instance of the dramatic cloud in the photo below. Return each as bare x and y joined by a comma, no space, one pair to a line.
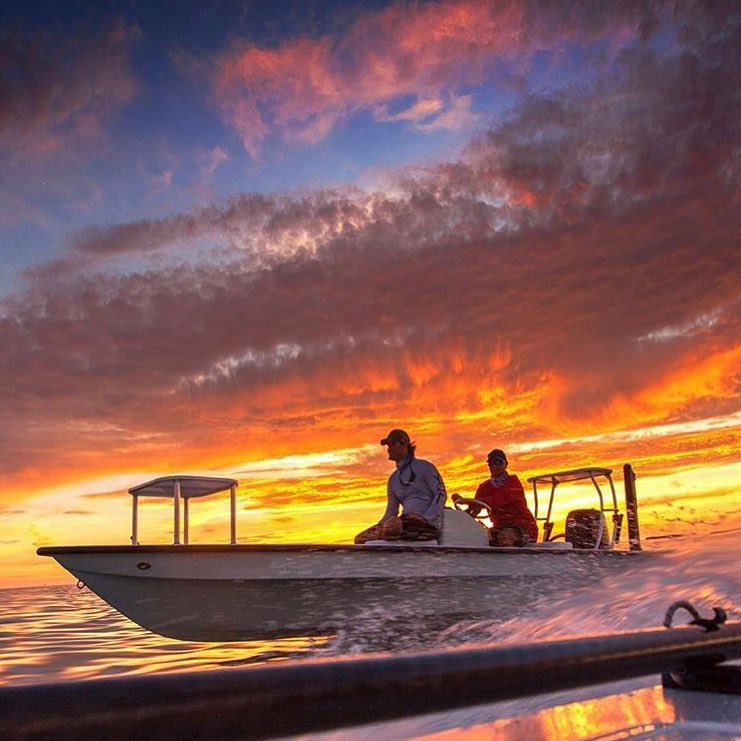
405,63
575,272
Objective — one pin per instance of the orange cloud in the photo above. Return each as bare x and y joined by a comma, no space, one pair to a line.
713,376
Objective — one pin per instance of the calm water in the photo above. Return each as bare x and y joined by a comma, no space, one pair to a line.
52,634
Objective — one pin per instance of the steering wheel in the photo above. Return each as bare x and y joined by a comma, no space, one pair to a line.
478,509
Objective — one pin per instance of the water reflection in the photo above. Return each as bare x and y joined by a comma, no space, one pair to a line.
638,712
63,633
620,712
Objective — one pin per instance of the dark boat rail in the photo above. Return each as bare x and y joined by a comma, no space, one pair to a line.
300,697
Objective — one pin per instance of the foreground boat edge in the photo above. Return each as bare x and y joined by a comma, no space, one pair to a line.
300,697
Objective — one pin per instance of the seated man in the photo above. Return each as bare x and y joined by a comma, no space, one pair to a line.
416,487
513,522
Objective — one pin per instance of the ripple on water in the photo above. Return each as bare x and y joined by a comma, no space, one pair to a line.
62,633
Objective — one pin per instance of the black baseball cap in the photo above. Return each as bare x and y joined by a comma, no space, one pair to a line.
497,456
396,436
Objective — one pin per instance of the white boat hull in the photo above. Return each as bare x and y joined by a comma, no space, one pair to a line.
245,592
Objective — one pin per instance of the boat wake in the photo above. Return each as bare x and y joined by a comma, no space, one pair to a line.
635,599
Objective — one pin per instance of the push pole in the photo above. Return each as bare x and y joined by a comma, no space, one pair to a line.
631,506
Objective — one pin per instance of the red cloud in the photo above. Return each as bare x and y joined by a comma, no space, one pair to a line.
426,52
303,88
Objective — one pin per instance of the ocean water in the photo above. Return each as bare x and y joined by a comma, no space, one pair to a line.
62,633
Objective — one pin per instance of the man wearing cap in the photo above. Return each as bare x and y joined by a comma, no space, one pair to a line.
514,523
417,488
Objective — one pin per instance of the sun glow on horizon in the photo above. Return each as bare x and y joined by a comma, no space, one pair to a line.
328,496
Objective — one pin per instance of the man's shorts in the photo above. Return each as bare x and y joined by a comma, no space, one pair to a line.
509,536
402,528
414,529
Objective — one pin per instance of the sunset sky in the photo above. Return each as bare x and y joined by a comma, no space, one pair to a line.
249,238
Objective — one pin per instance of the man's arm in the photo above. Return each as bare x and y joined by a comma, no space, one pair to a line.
434,482
392,503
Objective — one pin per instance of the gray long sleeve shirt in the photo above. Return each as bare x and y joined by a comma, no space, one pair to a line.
418,488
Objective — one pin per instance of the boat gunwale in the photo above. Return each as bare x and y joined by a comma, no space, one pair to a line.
218,548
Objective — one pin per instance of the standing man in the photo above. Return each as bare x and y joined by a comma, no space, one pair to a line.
417,488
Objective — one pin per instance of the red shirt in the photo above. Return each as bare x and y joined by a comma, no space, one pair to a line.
508,504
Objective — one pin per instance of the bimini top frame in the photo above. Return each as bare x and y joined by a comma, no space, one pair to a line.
592,474
183,487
